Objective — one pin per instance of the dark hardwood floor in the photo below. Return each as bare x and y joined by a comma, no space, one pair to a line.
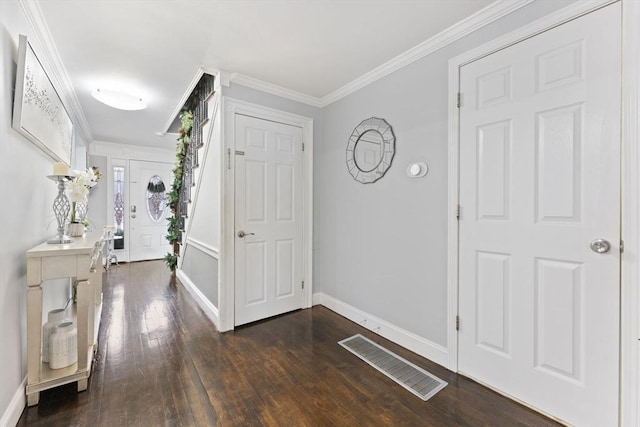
161,362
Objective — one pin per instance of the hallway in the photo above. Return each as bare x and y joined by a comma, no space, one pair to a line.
161,362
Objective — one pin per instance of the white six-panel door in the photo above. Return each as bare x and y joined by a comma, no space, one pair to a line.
268,198
539,182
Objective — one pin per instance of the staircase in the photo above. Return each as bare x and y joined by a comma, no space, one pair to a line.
202,105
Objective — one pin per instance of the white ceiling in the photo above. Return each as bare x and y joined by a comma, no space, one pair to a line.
154,48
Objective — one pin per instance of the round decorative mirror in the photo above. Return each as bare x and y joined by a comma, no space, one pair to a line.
370,150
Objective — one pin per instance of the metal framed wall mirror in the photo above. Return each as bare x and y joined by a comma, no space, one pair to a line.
370,150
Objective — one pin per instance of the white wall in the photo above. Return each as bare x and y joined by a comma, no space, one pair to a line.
202,270
201,254
98,207
26,219
204,221
382,247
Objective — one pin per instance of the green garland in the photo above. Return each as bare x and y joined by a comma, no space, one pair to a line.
173,197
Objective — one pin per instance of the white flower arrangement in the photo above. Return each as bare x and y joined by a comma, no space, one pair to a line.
79,188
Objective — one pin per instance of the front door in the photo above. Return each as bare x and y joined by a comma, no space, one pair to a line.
539,282
148,184
268,219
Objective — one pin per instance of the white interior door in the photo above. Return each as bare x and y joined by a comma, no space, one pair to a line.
268,219
539,182
148,184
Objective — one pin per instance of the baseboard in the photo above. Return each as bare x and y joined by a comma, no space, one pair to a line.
209,309
16,406
409,340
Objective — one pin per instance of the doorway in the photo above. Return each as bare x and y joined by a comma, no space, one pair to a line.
149,182
539,220
268,191
268,221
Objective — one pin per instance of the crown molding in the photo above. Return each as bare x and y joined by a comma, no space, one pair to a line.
59,74
468,25
130,151
50,56
283,92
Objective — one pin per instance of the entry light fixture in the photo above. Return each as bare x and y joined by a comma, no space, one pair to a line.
119,100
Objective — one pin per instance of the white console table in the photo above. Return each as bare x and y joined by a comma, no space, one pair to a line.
76,260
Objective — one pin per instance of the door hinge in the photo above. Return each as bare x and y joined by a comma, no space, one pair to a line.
457,211
621,246
457,323
303,284
303,146
228,158
459,99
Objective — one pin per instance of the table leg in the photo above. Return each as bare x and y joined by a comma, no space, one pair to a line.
33,398
34,335
84,299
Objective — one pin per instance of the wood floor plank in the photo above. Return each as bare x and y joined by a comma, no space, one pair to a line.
161,362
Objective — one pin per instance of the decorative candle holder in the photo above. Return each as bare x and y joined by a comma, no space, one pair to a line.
61,208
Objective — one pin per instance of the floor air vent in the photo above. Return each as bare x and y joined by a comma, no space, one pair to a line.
413,378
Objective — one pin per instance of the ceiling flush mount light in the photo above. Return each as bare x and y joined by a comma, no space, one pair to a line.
119,100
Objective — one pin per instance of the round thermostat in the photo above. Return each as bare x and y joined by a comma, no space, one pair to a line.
417,170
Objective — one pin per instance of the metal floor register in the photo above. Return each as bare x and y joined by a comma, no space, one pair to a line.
413,378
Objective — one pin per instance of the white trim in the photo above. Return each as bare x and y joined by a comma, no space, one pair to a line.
452,218
474,22
226,302
630,298
409,340
554,19
307,211
16,406
468,25
131,152
208,249
231,107
56,69
280,91
557,18
121,254
223,79
207,306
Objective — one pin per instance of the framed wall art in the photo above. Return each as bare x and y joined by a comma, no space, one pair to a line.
38,112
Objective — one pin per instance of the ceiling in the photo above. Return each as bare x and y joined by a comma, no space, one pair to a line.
153,49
